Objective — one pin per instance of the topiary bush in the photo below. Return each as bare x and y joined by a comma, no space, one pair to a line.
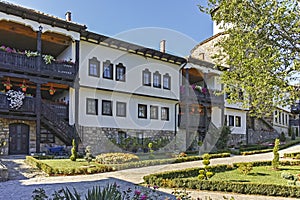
116,158
275,161
88,154
73,156
205,174
245,168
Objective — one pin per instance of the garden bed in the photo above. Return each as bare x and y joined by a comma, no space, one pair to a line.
262,180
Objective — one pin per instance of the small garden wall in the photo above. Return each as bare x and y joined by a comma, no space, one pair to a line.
3,172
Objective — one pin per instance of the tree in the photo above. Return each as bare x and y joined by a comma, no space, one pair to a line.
73,156
261,50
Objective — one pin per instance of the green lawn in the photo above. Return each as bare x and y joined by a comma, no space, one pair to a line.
263,174
67,163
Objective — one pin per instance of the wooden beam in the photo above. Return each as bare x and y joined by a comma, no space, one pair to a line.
14,28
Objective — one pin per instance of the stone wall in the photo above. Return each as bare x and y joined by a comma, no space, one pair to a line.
100,139
236,140
4,133
3,172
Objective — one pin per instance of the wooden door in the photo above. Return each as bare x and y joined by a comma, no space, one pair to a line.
18,139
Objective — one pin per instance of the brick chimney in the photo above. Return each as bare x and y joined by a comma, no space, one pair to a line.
162,46
68,16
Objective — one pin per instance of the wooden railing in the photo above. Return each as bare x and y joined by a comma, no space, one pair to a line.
28,106
21,63
57,124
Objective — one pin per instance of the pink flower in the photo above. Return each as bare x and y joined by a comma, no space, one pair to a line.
137,192
143,197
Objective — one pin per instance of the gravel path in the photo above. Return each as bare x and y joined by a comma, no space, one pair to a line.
24,179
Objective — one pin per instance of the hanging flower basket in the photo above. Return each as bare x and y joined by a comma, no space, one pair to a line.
7,84
24,86
51,90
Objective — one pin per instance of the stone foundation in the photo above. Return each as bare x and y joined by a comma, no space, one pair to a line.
3,172
236,140
101,139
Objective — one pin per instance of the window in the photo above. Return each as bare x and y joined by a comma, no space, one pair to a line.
225,120
121,109
157,80
231,120
276,116
283,122
165,113
241,95
107,70
238,121
94,67
120,72
92,106
279,117
142,111
121,137
146,77
167,81
153,112
286,119
106,107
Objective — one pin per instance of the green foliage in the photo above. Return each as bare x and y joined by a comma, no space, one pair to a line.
182,179
182,194
275,161
70,170
88,154
116,158
74,155
2,145
205,174
282,137
151,155
291,155
245,168
223,138
262,49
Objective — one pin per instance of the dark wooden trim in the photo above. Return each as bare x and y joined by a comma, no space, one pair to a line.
38,117
130,93
17,117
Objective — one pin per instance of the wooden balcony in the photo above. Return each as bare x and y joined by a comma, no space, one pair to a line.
196,96
294,122
28,107
20,63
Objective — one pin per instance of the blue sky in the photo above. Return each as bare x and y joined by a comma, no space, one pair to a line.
143,22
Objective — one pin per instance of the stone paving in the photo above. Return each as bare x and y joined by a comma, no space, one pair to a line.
24,179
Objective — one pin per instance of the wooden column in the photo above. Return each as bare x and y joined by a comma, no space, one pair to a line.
39,47
76,88
38,116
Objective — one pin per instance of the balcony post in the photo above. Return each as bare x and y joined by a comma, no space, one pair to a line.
38,117
39,48
76,88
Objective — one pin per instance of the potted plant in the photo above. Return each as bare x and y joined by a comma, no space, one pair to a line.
51,90
7,84
24,86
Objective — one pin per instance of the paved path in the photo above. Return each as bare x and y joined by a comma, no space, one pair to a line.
24,183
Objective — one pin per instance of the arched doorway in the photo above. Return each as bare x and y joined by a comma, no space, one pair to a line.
18,138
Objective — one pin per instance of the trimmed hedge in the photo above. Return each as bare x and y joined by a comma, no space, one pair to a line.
67,171
245,153
181,178
145,163
291,155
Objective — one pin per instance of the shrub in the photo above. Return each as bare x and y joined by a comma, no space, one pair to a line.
245,168
275,161
205,174
151,155
116,158
282,137
287,176
88,154
73,156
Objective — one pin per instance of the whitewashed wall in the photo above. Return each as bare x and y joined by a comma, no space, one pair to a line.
131,121
134,64
242,114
